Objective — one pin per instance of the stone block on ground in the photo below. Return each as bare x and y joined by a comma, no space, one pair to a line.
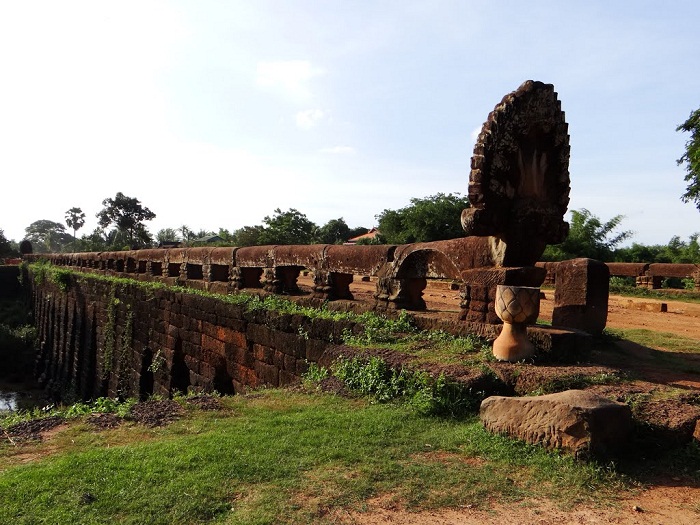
581,295
647,306
574,421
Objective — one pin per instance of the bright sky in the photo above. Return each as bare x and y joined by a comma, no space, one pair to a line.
215,113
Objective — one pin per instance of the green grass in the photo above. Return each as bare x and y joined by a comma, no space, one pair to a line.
666,350
101,405
434,396
660,340
659,293
282,457
427,346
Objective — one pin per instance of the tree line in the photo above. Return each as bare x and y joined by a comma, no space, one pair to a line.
593,238
432,218
122,226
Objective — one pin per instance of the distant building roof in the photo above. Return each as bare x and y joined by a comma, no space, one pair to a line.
169,244
371,234
211,238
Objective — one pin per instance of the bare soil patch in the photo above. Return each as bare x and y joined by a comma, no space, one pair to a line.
104,421
32,430
623,312
156,413
652,506
681,318
204,402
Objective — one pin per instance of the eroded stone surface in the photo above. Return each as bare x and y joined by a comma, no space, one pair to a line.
519,180
581,295
670,420
575,421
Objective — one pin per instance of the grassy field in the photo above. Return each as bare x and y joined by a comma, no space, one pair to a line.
664,294
301,456
666,350
655,339
282,457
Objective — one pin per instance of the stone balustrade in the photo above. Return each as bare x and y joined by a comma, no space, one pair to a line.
401,272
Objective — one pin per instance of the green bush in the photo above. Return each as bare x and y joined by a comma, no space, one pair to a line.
621,282
672,282
439,396
315,373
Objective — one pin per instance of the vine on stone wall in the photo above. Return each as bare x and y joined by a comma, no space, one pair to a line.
157,363
44,271
127,340
110,334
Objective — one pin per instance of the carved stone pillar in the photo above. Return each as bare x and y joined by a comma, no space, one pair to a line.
236,278
397,294
270,281
652,282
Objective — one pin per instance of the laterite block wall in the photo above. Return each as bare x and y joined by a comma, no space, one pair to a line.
100,338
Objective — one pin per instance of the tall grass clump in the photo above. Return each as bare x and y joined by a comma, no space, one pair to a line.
374,378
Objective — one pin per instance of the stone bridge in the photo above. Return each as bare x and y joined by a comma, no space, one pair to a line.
103,338
518,194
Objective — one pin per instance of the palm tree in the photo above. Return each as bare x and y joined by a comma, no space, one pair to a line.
75,219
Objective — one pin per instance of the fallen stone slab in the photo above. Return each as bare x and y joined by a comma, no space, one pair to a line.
574,421
647,306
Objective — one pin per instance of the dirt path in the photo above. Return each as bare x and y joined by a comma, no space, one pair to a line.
626,312
623,312
677,505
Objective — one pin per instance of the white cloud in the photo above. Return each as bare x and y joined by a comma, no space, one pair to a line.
290,77
309,118
339,150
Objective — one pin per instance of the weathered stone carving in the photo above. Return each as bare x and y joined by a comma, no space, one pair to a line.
25,247
519,180
517,306
576,421
518,191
